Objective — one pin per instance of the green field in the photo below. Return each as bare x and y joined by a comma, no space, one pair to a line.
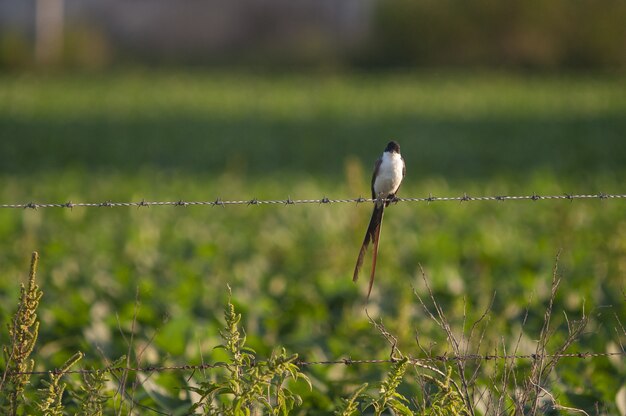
201,136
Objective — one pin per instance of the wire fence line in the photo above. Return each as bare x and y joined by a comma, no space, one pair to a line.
254,201
343,361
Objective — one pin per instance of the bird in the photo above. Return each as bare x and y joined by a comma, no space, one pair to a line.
389,171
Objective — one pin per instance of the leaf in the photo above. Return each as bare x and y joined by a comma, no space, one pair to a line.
401,408
248,350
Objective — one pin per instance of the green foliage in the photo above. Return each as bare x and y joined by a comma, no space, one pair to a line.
240,136
350,406
51,402
249,385
457,126
23,332
447,400
389,398
90,394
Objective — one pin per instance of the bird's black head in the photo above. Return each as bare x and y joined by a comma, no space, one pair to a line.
392,146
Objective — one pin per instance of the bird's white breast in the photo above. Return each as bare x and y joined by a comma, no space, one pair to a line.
389,174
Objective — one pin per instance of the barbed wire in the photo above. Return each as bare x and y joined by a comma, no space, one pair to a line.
343,361
254,201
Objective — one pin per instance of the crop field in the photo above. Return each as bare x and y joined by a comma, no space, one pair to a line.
151,283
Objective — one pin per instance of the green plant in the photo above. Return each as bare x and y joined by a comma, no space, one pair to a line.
532,390
90,395
389,398
447,400
248,385
350,406
23,331
51,398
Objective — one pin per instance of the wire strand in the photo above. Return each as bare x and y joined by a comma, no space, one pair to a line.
344,361
254,201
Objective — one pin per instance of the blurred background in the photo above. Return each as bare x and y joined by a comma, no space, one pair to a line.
207,74
325,34
111,100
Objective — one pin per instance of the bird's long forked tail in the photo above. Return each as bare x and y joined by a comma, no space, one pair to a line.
375,252
372,234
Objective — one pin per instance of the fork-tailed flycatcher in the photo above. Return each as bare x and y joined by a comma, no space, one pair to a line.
389,171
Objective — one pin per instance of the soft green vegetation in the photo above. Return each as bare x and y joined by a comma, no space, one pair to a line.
23,330
247,383
450,125
150,283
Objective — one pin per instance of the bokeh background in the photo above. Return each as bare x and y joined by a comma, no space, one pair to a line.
276,34
160,100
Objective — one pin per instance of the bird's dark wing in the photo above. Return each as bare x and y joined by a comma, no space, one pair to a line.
376,168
